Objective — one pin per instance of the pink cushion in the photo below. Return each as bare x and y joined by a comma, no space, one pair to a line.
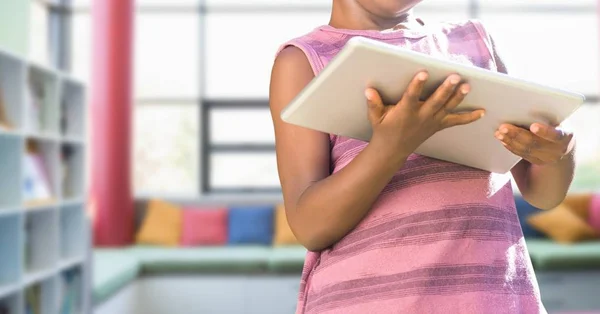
204,226
594,216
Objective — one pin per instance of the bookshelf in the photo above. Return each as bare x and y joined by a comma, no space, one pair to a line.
44,230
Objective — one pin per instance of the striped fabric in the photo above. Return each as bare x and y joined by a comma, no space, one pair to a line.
441,238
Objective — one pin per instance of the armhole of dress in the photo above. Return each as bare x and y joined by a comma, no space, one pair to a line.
315,63
485,37
313,59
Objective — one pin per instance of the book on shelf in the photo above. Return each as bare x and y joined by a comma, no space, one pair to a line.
36,186
34,101
66,154
33,300
69,292
4,309
4,120
64,120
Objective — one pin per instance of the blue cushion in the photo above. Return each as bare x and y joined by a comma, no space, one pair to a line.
525,210
251,225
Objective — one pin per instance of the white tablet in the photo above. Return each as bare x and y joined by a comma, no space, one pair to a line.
334,101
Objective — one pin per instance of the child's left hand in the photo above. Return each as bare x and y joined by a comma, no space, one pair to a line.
540,145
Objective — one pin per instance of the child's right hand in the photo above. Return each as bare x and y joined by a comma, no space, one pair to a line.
405,126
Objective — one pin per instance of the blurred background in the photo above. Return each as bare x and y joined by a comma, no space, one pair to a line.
201,228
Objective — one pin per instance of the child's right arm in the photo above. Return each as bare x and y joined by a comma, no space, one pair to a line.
322,208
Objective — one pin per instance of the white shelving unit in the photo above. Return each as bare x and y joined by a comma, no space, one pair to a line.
44,243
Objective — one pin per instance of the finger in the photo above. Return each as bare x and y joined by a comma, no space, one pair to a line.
462,118
412,94
531,159
550,133
517,143
441,96
459,95
376,108
527,144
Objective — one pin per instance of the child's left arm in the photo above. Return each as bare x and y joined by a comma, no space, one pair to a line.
546,171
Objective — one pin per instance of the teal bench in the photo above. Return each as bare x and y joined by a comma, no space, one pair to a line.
115,268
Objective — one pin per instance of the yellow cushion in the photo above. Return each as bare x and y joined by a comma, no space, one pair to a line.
283,233
162,224
562,225
579,204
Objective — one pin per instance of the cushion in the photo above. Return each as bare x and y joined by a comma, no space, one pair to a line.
113,269
525,210
251,225
162,224
549,255
283,233
562,225
208,260
594,215
579,204
287,259
204,226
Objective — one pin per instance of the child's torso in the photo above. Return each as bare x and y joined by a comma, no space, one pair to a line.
441,238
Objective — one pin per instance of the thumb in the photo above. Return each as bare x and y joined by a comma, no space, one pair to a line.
375,106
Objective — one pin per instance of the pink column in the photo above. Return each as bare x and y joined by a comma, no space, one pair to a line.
111,118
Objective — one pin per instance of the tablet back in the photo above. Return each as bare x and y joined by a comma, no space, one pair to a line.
334,101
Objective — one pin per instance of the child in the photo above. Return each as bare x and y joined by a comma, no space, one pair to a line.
389,231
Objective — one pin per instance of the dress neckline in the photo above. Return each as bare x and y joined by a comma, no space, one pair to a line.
398,33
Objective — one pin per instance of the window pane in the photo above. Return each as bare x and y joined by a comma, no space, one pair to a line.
166,148
81,46
325,4
559,49
584,123
229,73
166,55
84,3
39,22
243,171
241,126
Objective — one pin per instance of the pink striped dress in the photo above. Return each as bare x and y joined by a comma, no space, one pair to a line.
441,238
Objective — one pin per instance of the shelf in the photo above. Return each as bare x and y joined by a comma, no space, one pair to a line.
38,276
10,132
71,262
72,201
12,82
73,140
44,231
10,166
41,297
7,290
10,250
40,181
43,137
9,212
72,227
72,119
41,242
40,206
41,102
72,171
10,304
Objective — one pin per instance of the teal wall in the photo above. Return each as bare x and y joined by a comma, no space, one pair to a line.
14,25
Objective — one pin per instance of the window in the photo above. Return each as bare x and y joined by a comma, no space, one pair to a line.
49,32
166,149
166,91
202,123
167,55
228,74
